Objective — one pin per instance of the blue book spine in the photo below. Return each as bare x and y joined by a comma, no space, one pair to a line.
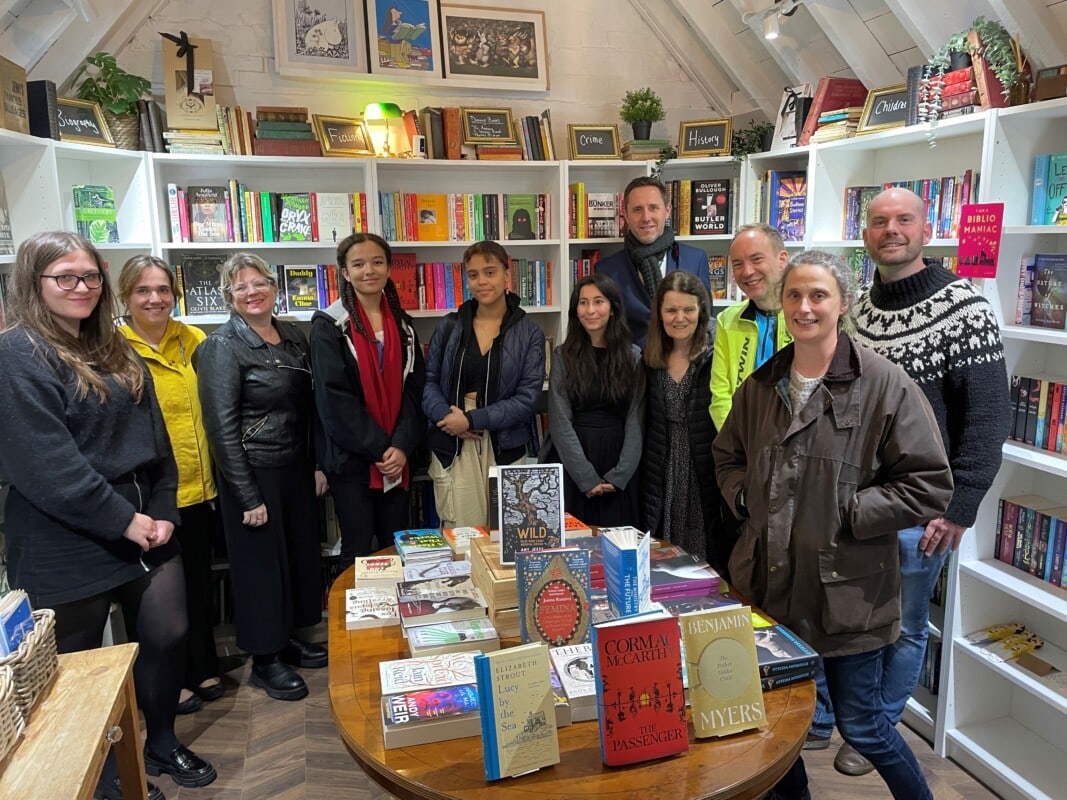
487,709
320,273
450,287
542,279
1037,202
1053,542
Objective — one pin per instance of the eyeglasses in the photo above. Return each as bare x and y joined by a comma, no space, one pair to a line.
67,282
242,289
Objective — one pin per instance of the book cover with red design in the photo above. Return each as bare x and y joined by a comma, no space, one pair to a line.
553,590
980,227
404,275
831,94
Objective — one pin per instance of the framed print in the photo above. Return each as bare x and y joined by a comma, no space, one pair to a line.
313,37
342,136
593,141
403,37
885,108
710,137
82,121
495,47
487,126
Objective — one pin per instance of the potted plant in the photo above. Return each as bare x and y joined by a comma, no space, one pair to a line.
756,138
640,108
103,81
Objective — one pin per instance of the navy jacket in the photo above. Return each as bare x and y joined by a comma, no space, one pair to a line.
621,269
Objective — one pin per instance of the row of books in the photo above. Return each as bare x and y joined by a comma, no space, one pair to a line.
783,197
930,670
457,216
944,197
234,213
594,215
838,123
1039,406
644,149
441,285
301,287
1042,297
701,207
1049,203
1031,532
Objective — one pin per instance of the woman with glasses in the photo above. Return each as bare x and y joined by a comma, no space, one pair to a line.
147,287
91,510
369,372
255,386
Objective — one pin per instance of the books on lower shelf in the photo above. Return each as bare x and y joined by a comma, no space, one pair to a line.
1039,411
944,197
1032,536
95,215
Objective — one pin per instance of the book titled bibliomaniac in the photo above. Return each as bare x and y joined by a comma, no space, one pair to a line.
531,508
724,679
518,711
553,587
980,228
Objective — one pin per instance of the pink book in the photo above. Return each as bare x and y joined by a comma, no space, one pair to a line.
440,298
183,215
980,228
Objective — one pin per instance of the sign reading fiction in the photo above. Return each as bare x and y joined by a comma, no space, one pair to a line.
487,126
593,141
710,137
81,121
342,136
885,108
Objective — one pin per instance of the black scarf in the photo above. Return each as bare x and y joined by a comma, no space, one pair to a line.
647,257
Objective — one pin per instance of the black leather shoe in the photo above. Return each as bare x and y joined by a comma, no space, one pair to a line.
278,681
190,706
112,790
303,654
184,766
211,692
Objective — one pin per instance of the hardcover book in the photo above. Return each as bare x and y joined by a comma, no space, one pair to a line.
95,214
520,215
404,275
423,716
14,109
208,213
676,573
383,571
518,711
574,666
831,94
1049,306
453,637
43,108
602,217
1056,190
7,238
370,607
640,697
553,588
979,232
531,508
724,678
302,287
429,672
294,218
627,575
788,204
334,213
710,207
201,278
451,605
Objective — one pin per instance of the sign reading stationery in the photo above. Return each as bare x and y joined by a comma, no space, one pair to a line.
593,141
709,137
487,126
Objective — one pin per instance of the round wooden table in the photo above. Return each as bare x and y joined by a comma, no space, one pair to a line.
742,766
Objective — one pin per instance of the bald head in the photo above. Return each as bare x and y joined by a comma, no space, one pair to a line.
897,229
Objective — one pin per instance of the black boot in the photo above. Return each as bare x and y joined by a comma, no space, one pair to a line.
304,654
112,790
184,766
277,680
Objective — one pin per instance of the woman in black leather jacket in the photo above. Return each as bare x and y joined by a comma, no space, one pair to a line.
255,386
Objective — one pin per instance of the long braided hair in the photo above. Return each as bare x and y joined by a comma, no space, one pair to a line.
348,294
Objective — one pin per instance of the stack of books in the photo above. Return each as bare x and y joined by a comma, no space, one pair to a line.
284,131
838,124
784,657
459,539
644,149
959,93
676,573
198,142
429,699
372,602
442,600
422,546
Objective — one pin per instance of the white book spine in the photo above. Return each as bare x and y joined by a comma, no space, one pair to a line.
175,216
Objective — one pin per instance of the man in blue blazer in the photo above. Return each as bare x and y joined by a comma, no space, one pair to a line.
649,252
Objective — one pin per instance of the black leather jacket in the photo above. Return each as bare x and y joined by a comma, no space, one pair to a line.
256,400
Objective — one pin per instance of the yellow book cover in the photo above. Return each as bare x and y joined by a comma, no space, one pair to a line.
724,681
432,210
685,201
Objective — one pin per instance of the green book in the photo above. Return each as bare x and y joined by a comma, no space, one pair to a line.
95,214
271,125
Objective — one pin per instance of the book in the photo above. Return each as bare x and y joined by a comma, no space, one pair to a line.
16,620
95,214
517,711
520,216
422,716
370,607
295,222
980,228
286,147
561,704
1037,198
382,571
43,109
1049,306
710,207
421,545
453,637
627,575
14,109
334,213
436,569
426,672
553,593
831,94
7,237
780,651
208,207
724,677
201,281
676,573
1056,190
788,197
602,215
424,587
573,664
459,539
530,508
639,692
450,605
302,287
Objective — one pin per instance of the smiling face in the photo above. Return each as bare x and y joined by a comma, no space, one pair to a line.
646,213
253,296
594,310
757,268
897,229
366,269
679,313
487,279
151,301
70,307
812,304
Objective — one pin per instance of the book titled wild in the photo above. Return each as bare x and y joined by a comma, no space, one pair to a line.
531,508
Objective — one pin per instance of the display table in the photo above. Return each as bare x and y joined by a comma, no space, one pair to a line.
742,766
63,748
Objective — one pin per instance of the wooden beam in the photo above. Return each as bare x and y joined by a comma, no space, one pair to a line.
1042,38
33,32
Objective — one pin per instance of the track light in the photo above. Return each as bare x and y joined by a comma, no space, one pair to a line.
770,27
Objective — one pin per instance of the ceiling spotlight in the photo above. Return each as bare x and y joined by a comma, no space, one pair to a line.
770,27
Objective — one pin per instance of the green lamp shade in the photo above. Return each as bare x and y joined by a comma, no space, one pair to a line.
382,111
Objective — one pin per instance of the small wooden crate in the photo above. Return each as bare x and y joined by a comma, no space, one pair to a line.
34,664
496,580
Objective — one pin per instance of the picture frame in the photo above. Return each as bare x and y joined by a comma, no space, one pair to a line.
404,38
884,109
82,121
707,137
593,142
342,136
328,40
487,126
468,58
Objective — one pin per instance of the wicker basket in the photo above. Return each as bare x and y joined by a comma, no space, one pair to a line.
34,663
11,720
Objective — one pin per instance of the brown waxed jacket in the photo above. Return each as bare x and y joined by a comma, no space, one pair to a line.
826,492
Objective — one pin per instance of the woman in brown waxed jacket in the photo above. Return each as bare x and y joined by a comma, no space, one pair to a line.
828,450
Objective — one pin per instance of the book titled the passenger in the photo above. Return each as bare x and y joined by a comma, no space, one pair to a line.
553,593
531,508
518,711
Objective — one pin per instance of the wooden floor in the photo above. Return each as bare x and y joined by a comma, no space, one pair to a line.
272,750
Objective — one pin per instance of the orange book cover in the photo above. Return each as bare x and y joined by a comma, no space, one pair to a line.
832,94
432,210
453,132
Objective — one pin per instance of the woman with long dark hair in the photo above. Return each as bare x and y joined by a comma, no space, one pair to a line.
369,375
596,406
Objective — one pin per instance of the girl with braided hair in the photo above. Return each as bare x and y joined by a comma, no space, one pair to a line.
369,375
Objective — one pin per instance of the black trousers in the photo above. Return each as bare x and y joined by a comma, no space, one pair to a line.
196,533
365,513
275,569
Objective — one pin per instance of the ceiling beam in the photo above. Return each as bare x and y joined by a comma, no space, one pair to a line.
847,32
931,24
1038,28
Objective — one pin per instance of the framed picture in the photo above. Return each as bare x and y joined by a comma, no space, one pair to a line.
82,121
885,108
342,136
709,137
593,141
318,39
496,47
404,37
487,126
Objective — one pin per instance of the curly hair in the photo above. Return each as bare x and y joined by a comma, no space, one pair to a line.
617,372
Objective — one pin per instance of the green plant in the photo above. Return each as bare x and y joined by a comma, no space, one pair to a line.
750,139
103,81
665,155
641,105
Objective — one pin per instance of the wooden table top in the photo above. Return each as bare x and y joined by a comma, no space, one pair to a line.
743,766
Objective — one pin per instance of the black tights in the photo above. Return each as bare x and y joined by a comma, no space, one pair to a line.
153,607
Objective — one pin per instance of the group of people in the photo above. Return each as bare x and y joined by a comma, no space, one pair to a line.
821,449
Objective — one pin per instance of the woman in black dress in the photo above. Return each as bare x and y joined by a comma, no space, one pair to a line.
595,407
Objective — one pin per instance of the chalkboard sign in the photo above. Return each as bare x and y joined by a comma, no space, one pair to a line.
81,121
885,108
487,126
593,141
709,137
342,136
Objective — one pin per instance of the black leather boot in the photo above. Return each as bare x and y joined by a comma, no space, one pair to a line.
278,681
304,654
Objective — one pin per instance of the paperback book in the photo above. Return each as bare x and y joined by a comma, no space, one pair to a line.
676,573
459,539
531,508
781,653
429,672
436,569
422,587
1049,305
553,588
452,605
453,637
626,570
370,607
200,275
422,716
7,238
381,571
294,218
302,287
208,213
334,213
574,666
710,207
95,214
422,545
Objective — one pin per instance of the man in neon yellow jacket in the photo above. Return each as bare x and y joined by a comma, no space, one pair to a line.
751,331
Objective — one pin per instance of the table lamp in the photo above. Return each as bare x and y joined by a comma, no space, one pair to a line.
378,116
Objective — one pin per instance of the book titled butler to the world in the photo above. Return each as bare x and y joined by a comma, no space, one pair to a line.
531,508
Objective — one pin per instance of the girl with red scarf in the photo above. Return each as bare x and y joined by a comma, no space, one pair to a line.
369,375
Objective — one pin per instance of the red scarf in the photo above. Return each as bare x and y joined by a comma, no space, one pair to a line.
382,387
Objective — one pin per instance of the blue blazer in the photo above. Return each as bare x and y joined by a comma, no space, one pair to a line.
621,269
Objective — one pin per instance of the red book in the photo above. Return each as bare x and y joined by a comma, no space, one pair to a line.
956,89
968,98
958,76
980,228
403,273
832,94
453,132
990,89
639,693
287,147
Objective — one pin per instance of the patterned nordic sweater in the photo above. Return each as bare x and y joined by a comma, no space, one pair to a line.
942,331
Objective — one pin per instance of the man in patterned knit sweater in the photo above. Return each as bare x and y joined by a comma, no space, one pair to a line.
942,331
